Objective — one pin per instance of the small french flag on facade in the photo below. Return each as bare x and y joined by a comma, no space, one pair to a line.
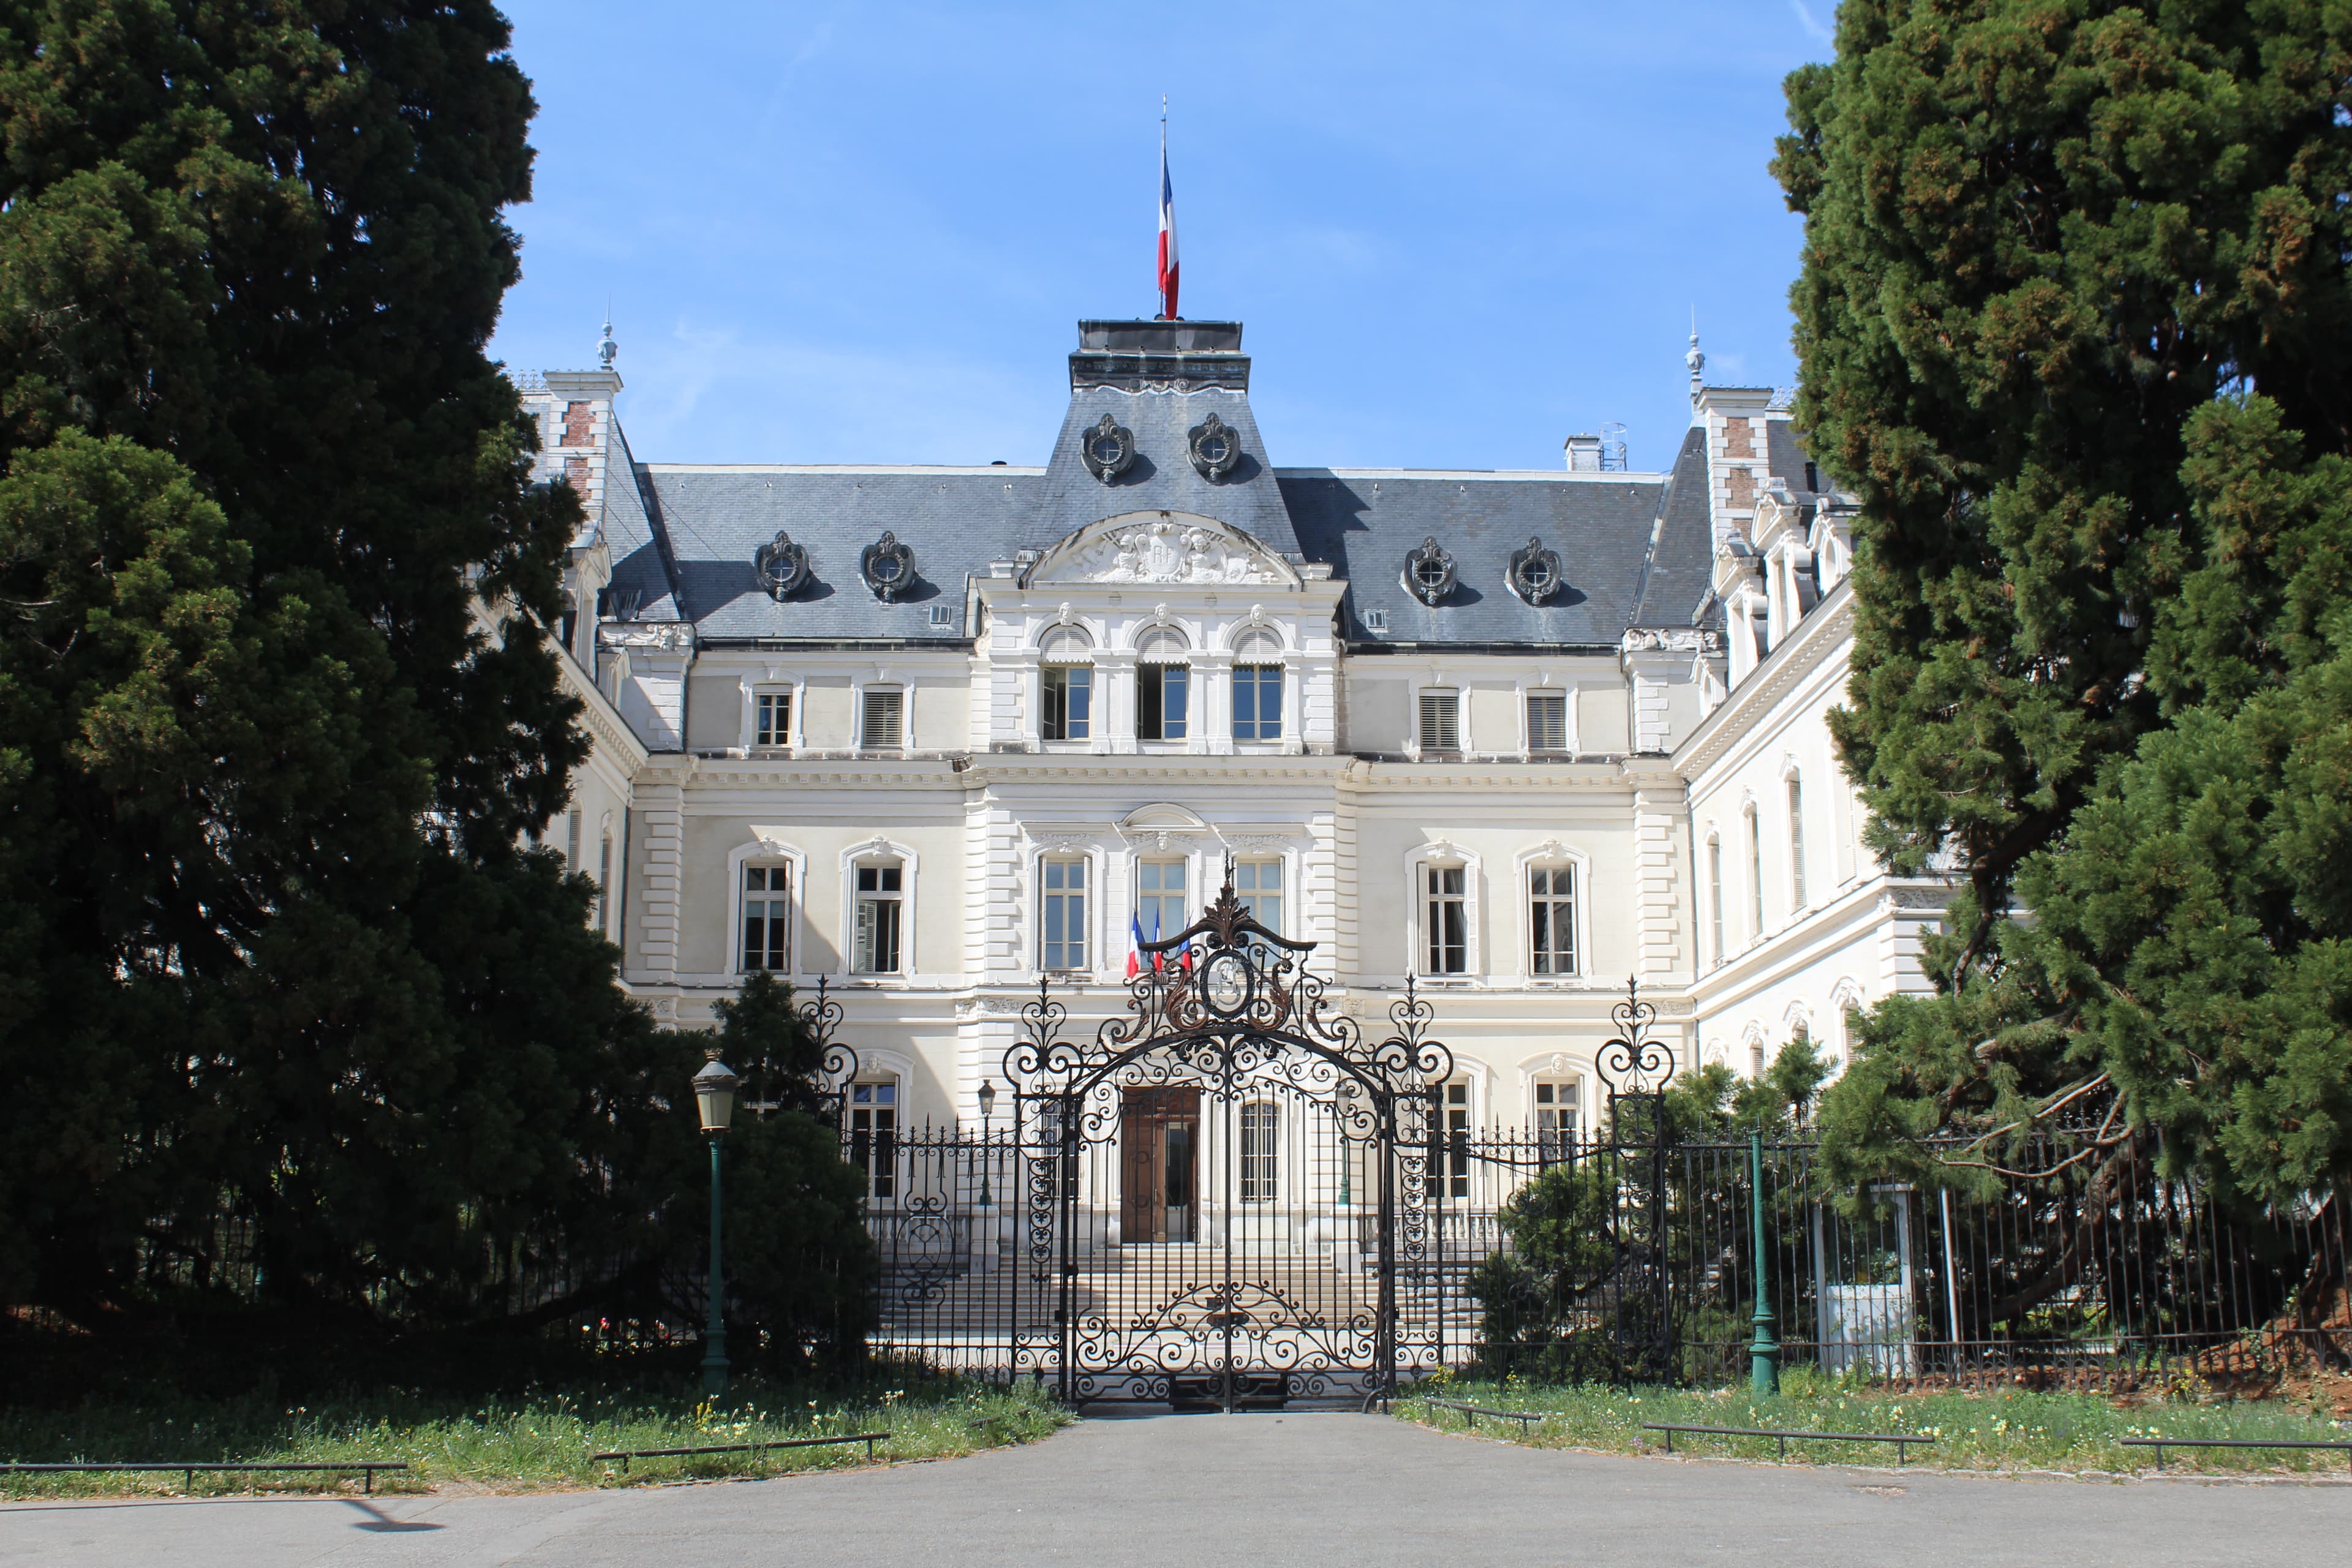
1167,226
1135,946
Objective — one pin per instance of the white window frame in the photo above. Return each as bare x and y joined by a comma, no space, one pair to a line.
1472,900
1792,798
1461,1183
796,709
605,899
1263,1186
874,1077
796,935
1096,686
1194,895
1241,655
1568,1090
879,847
1281,863
1713,871
1146,635
1092,861
1549,857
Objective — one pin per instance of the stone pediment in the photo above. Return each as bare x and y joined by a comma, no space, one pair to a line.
1162,547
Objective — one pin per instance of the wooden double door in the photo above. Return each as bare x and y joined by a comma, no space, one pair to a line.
1159,1165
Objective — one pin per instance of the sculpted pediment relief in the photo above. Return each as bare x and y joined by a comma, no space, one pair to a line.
1161,547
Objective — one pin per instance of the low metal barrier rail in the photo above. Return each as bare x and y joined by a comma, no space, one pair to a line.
1470,1413
2162,1444
625,1455
1902,1440
367,1468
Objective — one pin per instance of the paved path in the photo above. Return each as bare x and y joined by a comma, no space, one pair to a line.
1194,1491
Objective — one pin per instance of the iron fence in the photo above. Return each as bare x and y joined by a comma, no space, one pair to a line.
1556,1259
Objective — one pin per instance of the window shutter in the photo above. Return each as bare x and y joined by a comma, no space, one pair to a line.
572,842
885,728
1440,728
1546,722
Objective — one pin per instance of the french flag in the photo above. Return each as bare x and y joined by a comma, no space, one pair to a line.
1167,227
1135,946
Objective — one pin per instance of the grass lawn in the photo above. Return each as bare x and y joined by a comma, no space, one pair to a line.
2004,1431
537,1440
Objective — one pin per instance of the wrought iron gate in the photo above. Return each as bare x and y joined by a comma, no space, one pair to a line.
1226,1193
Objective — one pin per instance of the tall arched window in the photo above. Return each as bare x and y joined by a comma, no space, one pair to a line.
1163,686
1796,843
1067,684
1257,687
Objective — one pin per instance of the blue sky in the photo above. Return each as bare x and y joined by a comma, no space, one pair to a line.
865,233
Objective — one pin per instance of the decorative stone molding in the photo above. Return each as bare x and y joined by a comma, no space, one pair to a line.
1166,551
1107,449
1670,639
646,635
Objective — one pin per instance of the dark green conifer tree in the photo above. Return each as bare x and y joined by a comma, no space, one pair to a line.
2075,325
271,943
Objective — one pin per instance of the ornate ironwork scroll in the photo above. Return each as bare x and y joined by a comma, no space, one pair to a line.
1637,1068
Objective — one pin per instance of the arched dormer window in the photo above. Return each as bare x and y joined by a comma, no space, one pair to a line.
1066,709
1163,686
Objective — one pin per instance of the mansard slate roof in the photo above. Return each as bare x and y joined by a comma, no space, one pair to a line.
1635,548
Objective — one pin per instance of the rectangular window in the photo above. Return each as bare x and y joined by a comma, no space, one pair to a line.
1755,876
1546,720
1551,918
1715,894
1449,1133
1440,721
1796,846
1258,702
767,914
572,841
874,1135
1258,885
771,719
1062,940
1261,1136
879,903
604,881
884,725
1555,1122
1160,899
1162,700
1069,703
1445,921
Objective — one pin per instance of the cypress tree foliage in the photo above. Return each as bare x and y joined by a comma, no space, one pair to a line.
2074,325
270,940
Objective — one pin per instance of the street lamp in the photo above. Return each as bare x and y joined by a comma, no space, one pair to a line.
987,1104
1764,1350
714,1098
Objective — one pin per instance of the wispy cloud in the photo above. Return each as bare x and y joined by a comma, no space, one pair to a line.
1819,34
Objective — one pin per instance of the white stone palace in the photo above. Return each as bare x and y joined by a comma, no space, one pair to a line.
936,732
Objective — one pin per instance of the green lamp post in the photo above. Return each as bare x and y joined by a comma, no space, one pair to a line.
1764,1351
714,1098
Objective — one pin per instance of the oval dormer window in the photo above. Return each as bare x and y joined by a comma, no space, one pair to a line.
1429,572
888,567
1108,448
1216,448
1535,574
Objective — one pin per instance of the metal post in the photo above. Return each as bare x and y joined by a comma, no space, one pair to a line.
714,1332
1764,1353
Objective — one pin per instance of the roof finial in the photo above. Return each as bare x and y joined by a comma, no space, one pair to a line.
607,348
1695,360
